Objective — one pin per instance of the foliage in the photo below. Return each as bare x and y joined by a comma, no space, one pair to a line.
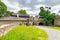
25,33
8,13
48,17
21,23
22,12
3,9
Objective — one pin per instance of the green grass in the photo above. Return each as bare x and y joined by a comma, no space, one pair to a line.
55,27
25,33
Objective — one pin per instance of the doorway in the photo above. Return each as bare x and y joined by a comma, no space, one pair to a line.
41,23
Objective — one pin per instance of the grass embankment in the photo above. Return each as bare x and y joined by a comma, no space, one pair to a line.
25,33
55,27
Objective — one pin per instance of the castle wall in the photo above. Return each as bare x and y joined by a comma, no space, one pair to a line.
57,22
10,21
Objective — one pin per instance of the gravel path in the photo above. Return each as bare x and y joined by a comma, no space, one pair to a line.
52,34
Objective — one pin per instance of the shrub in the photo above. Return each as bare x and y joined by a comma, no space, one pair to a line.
21,23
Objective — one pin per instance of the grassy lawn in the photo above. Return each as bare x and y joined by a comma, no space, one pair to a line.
25,33
55,27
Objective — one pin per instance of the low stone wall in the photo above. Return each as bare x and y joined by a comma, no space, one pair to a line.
7,22
11,21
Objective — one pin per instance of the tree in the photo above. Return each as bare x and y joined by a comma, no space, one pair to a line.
22,12
42,11
3,9
8,13
48,17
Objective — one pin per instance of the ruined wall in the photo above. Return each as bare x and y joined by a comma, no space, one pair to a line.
35,20
57,21
10,21
7,22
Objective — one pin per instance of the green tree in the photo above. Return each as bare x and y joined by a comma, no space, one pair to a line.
42,11
22,12
3,9
8,13
48,17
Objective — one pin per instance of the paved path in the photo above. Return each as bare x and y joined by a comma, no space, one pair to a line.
53,34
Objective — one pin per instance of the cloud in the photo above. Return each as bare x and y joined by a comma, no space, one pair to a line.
32,6
39,5
15,6
28,1
40,0
33,13
26,8
56,9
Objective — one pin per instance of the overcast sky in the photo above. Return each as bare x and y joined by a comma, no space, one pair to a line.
32,6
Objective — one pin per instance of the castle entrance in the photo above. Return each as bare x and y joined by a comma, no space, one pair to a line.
41,23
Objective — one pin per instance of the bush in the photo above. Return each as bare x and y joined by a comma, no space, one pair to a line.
21,23
25,33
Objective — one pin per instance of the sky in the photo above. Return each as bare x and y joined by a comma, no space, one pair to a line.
32,6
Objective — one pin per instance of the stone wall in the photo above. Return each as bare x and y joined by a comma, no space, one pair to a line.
7,22
35,20
57,22
10,21
32,21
